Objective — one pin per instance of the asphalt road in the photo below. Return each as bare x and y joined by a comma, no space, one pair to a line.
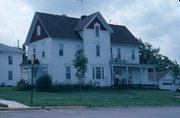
150,112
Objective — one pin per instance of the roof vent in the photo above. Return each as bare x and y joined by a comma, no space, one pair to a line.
83,16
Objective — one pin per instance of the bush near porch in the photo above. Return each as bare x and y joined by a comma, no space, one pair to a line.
97,97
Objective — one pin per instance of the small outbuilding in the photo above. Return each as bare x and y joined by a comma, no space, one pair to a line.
164,79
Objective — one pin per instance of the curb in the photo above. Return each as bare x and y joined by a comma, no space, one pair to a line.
83,107
44,108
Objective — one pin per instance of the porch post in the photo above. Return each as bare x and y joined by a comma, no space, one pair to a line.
141,75
154,75
112,74
127,73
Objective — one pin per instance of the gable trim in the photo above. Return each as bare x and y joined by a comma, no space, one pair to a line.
106,24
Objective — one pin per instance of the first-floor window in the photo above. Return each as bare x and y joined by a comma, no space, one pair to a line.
98,72
10,75
68,72
93,73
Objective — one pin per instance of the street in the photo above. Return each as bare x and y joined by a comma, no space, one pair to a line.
141,112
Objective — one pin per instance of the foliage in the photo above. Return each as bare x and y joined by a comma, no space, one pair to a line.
23,85
151,55
44,83
80,63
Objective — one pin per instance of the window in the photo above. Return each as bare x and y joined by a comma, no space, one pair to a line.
10,75
60,49
119,53
68,72
97,50
102,72
10,60
133,54
43,49
98,72
93,73
43,54
38,30
97,31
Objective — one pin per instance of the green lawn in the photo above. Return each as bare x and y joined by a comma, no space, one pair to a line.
100,97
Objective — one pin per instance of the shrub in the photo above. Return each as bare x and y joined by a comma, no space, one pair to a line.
22,85
44,83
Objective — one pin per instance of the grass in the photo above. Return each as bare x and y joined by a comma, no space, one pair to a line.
99,97
3,105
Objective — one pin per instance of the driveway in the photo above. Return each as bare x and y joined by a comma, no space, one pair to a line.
150,112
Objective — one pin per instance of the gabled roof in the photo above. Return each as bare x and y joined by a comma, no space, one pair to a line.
82,22
122,35
5,48
159,75
60,26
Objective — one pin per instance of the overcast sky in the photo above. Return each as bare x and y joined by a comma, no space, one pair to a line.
154,21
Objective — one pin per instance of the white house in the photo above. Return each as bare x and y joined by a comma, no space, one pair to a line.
54,39
164,80
10,58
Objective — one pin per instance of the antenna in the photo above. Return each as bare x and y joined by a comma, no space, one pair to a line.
82,7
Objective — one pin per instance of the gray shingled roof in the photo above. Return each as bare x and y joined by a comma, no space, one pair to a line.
159,75
67,27
5,48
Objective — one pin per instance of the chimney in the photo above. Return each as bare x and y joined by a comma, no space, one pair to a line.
83,16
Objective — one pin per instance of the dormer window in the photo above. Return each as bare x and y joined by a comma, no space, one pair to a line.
97,31
38,30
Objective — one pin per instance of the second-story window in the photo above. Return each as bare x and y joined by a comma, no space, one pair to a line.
10,60
38,30
119,53
133,54
97,50
97,31
61,51
43,54
43,49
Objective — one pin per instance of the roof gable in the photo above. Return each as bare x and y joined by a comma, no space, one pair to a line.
159,75
42,35
60,26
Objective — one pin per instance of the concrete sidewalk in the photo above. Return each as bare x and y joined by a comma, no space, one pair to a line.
13,104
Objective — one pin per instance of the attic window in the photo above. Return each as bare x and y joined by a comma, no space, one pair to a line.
38,30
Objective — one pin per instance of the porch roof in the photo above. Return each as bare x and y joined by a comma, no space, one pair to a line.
134,65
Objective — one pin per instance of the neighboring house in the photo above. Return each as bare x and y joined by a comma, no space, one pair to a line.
10,58
164,79
54,40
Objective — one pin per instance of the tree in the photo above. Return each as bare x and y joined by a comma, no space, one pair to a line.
151,55
80,63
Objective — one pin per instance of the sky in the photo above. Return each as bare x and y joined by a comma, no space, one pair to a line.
154,21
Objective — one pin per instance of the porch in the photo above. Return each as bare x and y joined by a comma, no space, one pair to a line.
132,73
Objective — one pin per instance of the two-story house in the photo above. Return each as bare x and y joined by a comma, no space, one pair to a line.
54,40
10,58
